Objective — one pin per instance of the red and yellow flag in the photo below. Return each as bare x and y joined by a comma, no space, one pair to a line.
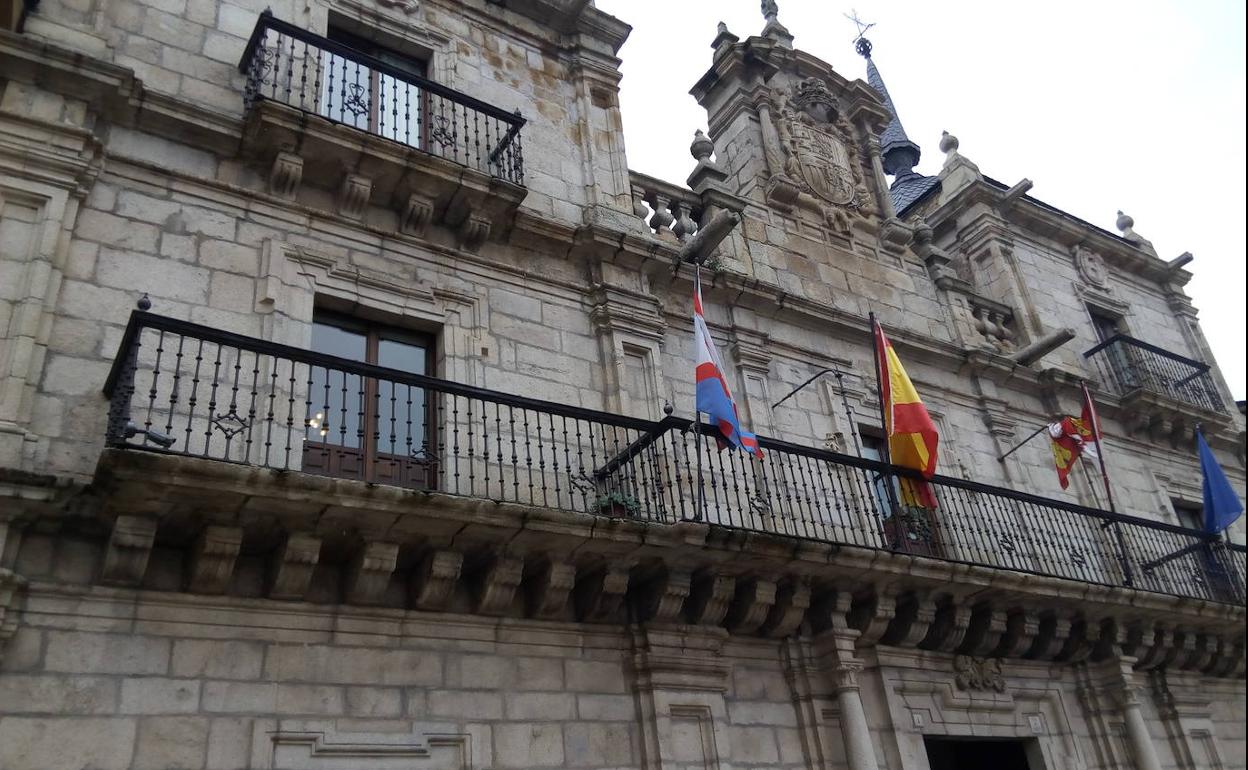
912,436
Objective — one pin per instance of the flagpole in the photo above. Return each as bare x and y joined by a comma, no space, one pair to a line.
885,451
1127,577
849,412
697,415
1019,445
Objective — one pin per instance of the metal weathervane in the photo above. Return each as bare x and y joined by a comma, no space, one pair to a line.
861,44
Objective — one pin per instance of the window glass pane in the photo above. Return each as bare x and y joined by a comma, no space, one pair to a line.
335,398
401,413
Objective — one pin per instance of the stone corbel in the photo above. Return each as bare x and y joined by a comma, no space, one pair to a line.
1202,654
473,232
1084,635
1022,626
212,562
751,604
433,581
416,214
663,598
496,584
285,175
547,590
129,548
709,597
1154,648
1230,659
598,593
914,615
294,566
353,195
369,573
11,585
987,626
792,601
949,627
1051,637
895,235
871,614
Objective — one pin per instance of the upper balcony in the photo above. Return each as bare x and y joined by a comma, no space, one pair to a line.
317,106
1163,393
187,390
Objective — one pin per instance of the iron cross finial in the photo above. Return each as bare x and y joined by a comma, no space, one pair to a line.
863,26
861,44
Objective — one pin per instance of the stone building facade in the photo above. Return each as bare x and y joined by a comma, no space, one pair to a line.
226,542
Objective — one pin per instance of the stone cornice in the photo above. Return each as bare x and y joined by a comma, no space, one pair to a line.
1064,228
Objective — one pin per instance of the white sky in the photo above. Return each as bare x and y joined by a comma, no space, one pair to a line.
1104,105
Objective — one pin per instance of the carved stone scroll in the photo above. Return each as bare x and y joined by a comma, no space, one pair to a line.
792,601
212,562
548,588
129,548
600,592
370,571
434,579
709,597
496,584
949,627
984,633
751,603
914,615
664,597
294,565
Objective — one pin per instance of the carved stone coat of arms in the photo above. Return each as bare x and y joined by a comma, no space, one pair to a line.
816,148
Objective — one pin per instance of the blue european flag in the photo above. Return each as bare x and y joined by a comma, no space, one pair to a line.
1222,505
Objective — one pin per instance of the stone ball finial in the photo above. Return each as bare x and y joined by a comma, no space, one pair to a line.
702,147
948,142
1124,222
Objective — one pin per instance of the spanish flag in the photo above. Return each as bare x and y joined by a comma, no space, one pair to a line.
912,436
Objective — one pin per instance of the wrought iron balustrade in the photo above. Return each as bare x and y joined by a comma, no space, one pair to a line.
186,389
1124,365
292,66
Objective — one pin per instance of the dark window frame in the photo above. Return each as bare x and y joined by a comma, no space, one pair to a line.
367,460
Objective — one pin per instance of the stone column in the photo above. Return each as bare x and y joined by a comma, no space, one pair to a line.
858,748
771,139
1142,748
882,197
838,645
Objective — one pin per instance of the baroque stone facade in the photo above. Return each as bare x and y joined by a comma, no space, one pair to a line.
195,609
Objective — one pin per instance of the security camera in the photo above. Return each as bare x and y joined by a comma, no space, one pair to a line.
162,440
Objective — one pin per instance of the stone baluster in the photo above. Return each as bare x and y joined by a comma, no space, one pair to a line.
662,219
980,314
639,203
1005,335
684,226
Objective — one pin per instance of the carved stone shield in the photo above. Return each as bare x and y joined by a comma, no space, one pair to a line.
824,163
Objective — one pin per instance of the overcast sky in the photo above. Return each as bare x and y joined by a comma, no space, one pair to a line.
1104,105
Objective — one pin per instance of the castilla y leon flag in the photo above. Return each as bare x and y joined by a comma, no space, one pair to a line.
912,436
713,396
1070,438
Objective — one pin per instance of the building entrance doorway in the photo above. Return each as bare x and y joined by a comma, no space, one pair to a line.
977,754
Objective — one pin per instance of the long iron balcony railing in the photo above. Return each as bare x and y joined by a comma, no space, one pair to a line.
1125,365
292,66
186,389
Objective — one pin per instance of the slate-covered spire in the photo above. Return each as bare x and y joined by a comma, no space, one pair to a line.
900,155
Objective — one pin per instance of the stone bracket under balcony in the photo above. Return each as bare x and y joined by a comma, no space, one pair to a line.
181,524
359,170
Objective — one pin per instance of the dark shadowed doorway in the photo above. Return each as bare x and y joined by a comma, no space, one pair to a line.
977,754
